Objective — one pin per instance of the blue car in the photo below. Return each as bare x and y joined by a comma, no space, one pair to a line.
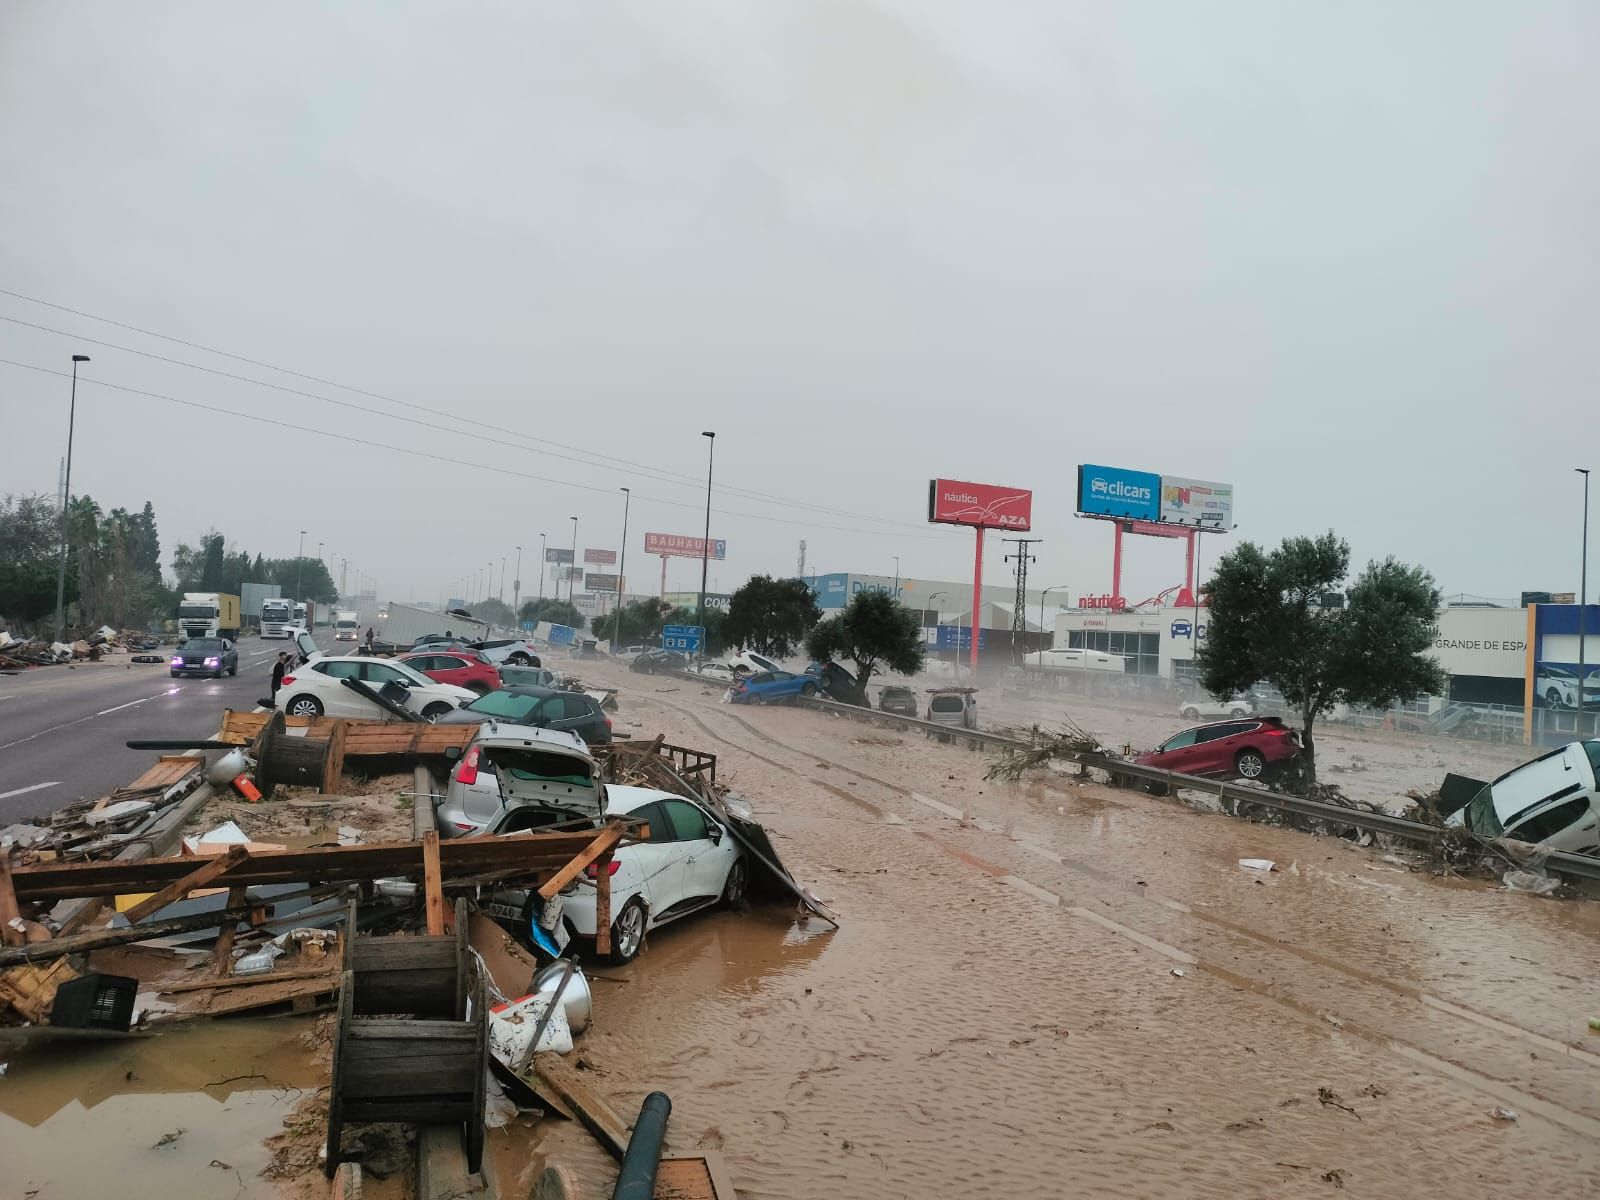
772,687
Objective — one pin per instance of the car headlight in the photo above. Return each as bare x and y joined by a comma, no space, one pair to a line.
213,661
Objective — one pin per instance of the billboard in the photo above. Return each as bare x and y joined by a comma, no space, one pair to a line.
1118,492
953,502
1196,502
553,555
602,558
685,547
594,581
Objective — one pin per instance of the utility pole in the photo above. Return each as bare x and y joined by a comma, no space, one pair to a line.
1583,595
571,562
705,543
516,586
1019,613
66,498
543,566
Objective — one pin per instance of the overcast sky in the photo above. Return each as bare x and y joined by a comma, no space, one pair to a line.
1342,256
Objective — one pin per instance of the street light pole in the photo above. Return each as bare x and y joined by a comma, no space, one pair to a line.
705,542
1058,587
571,562
543,566
299,567
66,499
516,586
501,594
622,565
897,577
1583,595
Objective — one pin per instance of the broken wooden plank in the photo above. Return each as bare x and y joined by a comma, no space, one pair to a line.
201,876
169,769
597,1116
602,904
206,985
604,841
432,884
11,930
297,995
222,954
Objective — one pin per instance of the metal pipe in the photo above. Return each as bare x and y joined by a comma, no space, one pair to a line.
637,1178
179,744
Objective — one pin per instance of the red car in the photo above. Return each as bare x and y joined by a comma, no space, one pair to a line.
457,665
1245,749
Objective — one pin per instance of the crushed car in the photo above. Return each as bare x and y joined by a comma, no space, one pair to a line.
1245,749
1554,801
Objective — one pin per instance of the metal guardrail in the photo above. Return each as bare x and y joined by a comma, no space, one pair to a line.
1579,866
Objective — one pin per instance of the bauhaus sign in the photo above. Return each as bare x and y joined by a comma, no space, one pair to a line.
687,547
986,505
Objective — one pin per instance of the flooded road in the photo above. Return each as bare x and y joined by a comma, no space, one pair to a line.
1048,989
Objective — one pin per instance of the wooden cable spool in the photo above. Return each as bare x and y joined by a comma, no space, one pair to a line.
425,1068
297,761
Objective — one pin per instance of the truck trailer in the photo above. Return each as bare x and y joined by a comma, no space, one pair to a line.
402,625
209,614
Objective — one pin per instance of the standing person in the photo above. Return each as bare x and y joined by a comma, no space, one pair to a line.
369,639
279,670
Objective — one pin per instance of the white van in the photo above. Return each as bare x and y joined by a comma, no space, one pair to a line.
1078,659
1552,801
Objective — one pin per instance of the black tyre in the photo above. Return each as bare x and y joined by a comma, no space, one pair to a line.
233,670
1237,713
733,889
435,710
627,932
518,660
1553,698
809,689
1250,764
175,674
1190,714
303,706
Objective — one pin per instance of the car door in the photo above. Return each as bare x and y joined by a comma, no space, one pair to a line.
1569,824
449,668
378,675
706,860
659,862
337,700
1215,747
1177,752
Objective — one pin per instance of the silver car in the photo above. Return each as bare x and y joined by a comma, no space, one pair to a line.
516,778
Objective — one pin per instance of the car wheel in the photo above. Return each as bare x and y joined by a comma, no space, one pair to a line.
303,706
518,660
627,932
435,710
808,690
233,670
1250,764
733,889
1553,698
1237,713
1190,714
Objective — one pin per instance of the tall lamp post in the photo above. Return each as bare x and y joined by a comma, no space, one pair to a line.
571,562
299,566
1583,594
705,542
897,577
516,586
543,566
622,565
66,498
935,608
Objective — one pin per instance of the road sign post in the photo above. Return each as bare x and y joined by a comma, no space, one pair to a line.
685,639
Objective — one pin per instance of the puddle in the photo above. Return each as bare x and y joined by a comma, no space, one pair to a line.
89,1119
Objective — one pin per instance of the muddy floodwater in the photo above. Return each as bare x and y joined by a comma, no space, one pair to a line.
1045,989
1049,989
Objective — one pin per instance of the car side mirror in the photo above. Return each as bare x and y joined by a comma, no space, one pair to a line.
451,753
714,832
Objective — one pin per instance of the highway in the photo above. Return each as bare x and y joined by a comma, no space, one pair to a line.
62,729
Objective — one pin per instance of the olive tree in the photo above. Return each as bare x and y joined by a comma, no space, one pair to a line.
873,629
1269,622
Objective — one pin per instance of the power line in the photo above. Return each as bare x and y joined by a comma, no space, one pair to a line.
660,474
436,456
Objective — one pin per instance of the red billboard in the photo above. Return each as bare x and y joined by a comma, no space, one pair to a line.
986,505
687,547
600,557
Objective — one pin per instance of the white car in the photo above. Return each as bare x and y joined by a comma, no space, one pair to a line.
508,651
1204,707
721,672
1558,686
1552,801
316,688
753,663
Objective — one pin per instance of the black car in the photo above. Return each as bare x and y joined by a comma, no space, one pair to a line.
205,656
546,708
654,660
900,700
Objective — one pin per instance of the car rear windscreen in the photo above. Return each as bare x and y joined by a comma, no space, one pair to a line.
947,704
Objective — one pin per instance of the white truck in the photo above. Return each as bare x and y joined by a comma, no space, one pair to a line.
209,615
403,624
277,618
346,625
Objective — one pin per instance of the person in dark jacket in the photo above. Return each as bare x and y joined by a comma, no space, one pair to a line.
279,670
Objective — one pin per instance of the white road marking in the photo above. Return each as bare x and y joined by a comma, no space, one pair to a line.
131,703
938,805
69,724
32,787
1133,935
1031,889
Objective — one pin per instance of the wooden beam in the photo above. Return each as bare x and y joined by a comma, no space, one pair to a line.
603,842
206,985
201,876
222,955
602,904
598,1117
10,935
432,884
